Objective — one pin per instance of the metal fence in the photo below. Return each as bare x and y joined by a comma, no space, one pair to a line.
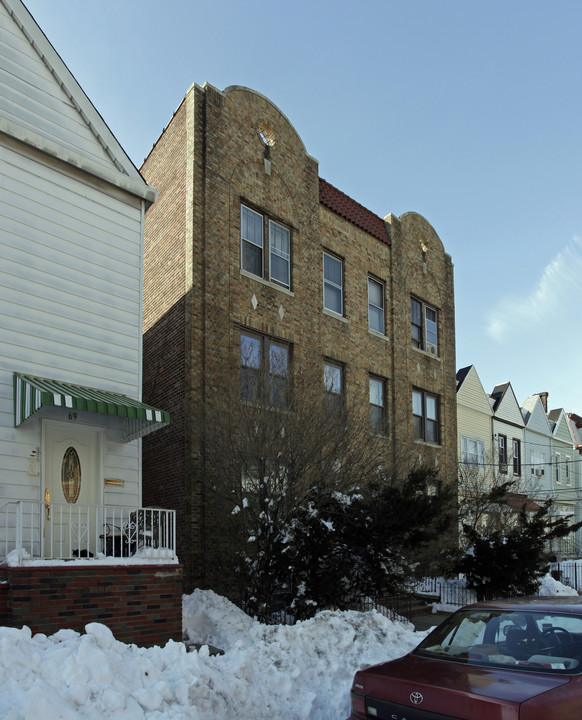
394,607
448,592
39,530
569,573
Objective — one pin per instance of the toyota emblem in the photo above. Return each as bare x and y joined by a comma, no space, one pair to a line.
416,698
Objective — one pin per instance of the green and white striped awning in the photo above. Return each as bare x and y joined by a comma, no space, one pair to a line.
31,394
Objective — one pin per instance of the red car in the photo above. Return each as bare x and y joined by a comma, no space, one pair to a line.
504,660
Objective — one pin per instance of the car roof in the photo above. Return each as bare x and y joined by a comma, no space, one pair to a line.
562,603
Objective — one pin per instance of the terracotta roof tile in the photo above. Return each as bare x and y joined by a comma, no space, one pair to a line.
343,205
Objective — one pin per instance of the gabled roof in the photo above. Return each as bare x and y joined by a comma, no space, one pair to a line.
498,393
29,42
505,406
575,422
561,426
343,205
535,416
461,375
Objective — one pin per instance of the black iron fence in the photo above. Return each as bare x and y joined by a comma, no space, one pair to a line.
568,573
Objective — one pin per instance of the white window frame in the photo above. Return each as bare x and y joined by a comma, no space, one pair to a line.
537,463
568,469
271,231
558,473
332,286
427,328
429,421
376,312
516,456
378,410
473,452
502,453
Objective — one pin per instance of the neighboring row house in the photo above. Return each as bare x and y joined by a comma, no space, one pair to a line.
71,417
255,265
535,449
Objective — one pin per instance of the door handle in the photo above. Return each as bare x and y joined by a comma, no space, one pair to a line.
47,506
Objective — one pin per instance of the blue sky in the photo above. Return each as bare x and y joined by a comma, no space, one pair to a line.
467,112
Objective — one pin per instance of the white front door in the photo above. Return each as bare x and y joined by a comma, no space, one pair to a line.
72,489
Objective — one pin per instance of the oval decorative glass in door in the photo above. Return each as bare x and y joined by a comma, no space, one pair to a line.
71,475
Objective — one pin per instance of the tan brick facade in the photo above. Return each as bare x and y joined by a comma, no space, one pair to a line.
209,160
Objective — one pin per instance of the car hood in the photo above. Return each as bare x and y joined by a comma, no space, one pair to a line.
453,689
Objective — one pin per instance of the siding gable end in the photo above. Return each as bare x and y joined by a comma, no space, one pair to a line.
507,409
42,105
537,419
472,394
562,429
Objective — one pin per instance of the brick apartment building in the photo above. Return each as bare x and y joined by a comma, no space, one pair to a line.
248,249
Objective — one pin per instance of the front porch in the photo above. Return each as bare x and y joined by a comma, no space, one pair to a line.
32,531
66,565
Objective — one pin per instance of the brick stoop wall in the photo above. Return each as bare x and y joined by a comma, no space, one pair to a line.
141,604
4,611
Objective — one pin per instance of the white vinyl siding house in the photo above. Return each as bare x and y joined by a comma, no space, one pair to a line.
564,489
537,449
508,432
474,416
71,248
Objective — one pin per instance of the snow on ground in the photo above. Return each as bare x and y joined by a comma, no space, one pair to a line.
549,586
267,672
300,672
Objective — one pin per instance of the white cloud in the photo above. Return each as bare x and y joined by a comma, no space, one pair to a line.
549,306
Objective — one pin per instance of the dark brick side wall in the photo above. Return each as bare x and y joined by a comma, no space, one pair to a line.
140,604
4,607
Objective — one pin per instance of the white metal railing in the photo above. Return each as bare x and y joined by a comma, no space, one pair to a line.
38,530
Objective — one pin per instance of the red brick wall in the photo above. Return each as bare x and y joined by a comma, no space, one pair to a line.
4,610
167,473
141,604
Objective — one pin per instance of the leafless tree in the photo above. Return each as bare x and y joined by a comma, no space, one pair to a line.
490,499
268,446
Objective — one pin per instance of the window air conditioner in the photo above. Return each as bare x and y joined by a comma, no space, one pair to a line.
432,349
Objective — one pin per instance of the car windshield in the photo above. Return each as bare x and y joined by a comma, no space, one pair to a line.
524,639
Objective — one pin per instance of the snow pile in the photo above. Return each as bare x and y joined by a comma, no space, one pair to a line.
274,672
267,672
550,586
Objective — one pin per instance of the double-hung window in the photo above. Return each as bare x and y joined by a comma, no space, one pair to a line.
333,384
378,414
333,284
425,416
502,453
265,247
516,457
264,369
473,452
568,470
424,326
558,468
537,464
376,305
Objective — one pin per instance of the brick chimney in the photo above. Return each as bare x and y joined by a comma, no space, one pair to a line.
544,399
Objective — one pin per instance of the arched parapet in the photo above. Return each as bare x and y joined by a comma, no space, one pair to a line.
265,111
